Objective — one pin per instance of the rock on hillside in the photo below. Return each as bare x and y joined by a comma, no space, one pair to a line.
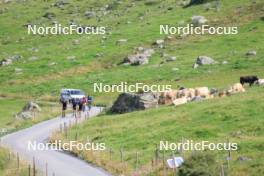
28,110
127,102
140,57
5,62
198,20
205,60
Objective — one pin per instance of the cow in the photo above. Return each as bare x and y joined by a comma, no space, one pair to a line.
203,92
180,101
248,79
260,82
237,87
188,93
167,97
222,94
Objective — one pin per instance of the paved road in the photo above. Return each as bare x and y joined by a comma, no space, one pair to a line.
58,162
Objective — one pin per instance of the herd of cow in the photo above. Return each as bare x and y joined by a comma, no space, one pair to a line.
184,95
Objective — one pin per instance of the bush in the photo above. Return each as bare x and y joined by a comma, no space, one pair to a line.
200,164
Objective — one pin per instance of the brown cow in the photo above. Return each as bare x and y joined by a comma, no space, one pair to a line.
167,97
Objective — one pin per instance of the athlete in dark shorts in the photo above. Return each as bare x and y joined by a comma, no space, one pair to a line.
64,107
80,109
74,107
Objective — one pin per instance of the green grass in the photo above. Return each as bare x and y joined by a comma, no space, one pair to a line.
8,165
40,80
213,120
10,107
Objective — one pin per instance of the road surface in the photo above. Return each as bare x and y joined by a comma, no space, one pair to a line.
59,163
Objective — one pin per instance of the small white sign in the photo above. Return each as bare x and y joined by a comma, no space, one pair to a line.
175,162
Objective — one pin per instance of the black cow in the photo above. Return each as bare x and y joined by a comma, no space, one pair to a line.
248,79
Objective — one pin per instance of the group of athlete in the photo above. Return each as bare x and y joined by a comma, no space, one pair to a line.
83,104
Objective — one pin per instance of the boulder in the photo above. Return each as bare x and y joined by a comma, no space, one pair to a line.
9,60
33,58
175,69
15,57
171,58
159,43
225,62
89,14
140,57
198,20
75,42
127,102
53,63
18,70
33,49
49,15
24,115
121,41
60,4
72,58
28,110
204,60
5,62
31,106
251,53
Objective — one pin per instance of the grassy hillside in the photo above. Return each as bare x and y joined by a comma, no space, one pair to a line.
40,79
138,21
237,118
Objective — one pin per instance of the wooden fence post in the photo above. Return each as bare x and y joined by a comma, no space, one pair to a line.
174,163
182,141
110,154
34,167
157,155
137,160
121,155
76,136
18,161
164,163
29,170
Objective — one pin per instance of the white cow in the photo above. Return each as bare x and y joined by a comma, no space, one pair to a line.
237,87
180,101
203,92
260,82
